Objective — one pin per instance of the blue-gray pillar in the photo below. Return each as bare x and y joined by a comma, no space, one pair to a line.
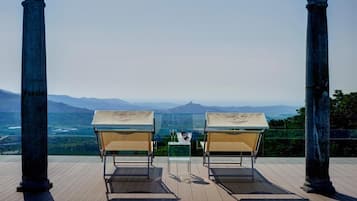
317,129
34,99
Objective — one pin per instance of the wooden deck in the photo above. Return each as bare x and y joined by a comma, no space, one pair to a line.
80,178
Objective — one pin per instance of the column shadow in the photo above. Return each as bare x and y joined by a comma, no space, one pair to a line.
41,196
342,197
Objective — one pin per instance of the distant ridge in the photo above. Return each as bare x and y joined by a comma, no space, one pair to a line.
275,111
95,103
10,102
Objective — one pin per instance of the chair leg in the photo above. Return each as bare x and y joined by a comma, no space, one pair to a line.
106,187
114,160
252,159
104,164
148,171
107,190
241,159
168,166
189,168
152,158
209,161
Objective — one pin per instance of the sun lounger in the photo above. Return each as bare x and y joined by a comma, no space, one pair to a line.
124,131
232,133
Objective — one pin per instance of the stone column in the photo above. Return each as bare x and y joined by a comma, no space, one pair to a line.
317,122
34,99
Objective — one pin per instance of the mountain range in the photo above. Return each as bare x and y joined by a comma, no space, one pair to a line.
10,102
95,103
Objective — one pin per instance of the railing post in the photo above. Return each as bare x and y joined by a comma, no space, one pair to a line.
317,125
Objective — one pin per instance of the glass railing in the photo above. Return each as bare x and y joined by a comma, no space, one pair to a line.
275,143
72,134
291,142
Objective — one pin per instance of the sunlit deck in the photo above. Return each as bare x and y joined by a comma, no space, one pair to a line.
80,178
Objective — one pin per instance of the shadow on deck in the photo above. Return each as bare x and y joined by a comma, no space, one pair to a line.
45,196
138,185
244,187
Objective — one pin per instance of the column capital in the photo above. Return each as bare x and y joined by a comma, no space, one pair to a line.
316,3
37,2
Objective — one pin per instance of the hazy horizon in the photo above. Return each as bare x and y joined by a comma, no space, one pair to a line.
182,101
209,52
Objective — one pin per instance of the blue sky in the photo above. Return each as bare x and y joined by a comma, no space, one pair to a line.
214,52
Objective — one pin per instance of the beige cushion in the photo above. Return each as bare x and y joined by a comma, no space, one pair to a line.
226,147
231,142
125,141
129,146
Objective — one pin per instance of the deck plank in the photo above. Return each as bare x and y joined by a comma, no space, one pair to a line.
198,184
80,178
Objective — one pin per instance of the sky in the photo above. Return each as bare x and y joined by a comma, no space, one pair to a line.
231,52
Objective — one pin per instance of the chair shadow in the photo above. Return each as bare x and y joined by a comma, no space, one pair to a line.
138,184
244,184
41,196
190,179
198,180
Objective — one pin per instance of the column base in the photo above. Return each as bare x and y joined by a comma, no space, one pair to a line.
34,186
319,187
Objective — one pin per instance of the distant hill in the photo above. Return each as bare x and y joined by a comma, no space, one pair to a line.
54,107
193,108
10,102
95,103
273,112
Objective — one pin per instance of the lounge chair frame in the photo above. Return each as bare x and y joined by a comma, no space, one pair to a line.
207,153
104,153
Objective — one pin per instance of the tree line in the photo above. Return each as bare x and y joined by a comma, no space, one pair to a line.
343,114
